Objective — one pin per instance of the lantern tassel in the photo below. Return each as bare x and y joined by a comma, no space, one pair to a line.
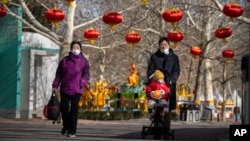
70,4
227,60
224,40
173,24
231,19
195,56
144,2
133,45
5,1
56,25
175,44
92,41
112,27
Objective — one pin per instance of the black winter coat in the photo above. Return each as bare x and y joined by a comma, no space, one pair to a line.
170,66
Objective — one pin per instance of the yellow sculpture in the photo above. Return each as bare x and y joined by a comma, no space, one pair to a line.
103,91
99,94
94,95
182,93
133,77
86,97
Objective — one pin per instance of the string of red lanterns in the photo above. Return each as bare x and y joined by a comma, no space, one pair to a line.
172,15
112,19
91,34
223,33
227,54
3,11
133,38
175,37
55,16
232,10
195,51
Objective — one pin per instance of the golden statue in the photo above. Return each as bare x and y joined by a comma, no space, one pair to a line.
99,94
103,91
133,77
86,97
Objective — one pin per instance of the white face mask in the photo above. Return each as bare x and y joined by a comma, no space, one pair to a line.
165,51
76,52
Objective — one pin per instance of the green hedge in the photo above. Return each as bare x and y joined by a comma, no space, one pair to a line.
111,115
116,115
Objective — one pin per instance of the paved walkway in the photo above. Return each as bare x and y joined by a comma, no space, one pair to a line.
130,130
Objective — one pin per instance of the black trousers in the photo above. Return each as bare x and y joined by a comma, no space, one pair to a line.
69,109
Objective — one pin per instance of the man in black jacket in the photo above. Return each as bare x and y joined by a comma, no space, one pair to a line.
167,61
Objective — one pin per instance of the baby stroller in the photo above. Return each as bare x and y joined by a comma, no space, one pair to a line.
157,127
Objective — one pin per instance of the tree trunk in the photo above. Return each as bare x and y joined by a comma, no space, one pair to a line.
69,32
209,98
224,93
197,93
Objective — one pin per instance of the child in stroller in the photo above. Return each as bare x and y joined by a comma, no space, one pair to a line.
158,93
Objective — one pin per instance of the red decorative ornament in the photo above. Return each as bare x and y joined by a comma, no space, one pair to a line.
223,33
175,37
2,11
91,34
70,3
55,16
195,51
112,18
227,54
172,15
232,10
133,38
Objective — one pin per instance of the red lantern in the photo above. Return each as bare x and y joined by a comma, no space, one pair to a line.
112,18
70,3
175,37
223,33
227,54
195,51
133,38
233,10
2,11
54,16
172,15
91,34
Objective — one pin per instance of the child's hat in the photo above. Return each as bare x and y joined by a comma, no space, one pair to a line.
158,75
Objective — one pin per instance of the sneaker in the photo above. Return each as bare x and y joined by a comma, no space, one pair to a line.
63,131
71,135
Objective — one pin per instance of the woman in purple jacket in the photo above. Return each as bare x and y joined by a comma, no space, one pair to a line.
72,75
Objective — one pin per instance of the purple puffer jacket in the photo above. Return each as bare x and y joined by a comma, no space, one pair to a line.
72,74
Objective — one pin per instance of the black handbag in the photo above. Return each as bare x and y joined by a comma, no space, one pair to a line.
52,110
